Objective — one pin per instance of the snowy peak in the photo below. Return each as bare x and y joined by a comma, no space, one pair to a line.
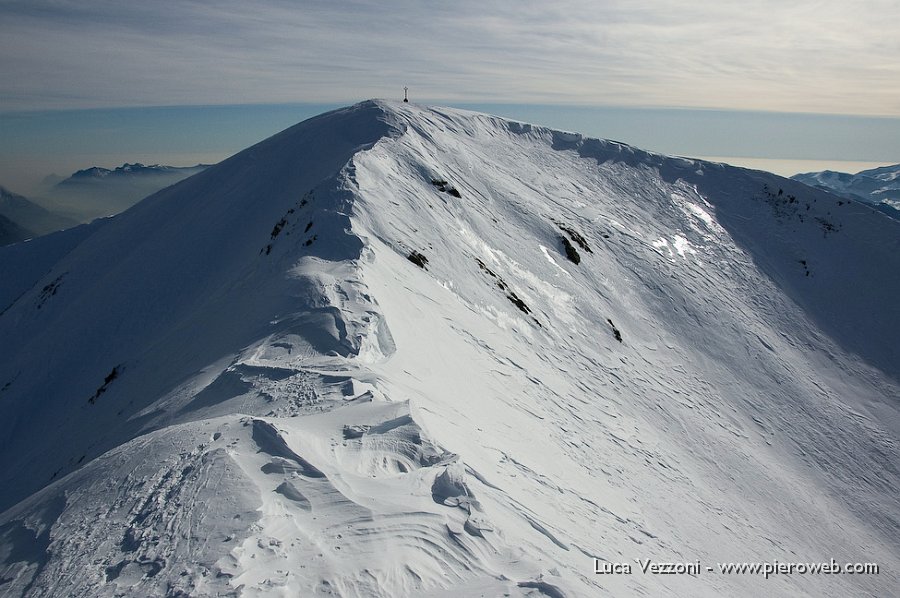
802,240
98,192
397,350
92,172
130,170
879,187
146,277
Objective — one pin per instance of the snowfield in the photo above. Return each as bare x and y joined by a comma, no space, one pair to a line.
408,351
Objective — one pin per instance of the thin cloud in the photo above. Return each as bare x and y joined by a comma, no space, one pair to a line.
811,55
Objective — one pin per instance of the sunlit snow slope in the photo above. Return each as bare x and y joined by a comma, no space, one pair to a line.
360,359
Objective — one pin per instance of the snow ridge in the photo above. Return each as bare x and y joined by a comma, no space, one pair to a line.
398,350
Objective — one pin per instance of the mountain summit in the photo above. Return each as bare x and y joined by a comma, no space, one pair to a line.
398,350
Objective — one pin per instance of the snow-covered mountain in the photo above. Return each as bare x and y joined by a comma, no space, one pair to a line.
397,350
130,171
31,218
879,187
95,192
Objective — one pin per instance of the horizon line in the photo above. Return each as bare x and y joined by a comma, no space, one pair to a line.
450,104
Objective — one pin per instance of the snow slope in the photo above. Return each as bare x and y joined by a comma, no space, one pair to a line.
356,359
10,232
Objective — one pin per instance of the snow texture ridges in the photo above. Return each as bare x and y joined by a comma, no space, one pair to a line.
299,407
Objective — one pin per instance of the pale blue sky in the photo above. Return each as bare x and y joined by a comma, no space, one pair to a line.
696,77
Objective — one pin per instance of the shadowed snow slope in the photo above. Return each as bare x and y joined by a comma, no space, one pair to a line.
398,350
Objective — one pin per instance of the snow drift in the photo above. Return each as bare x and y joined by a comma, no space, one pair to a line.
397,350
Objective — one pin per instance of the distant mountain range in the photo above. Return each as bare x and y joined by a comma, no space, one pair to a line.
130,172
95,192
879,187
87,194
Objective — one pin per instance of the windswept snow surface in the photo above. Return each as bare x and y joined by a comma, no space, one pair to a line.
360,359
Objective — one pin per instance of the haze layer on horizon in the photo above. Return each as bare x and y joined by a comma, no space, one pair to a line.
37,144
695,77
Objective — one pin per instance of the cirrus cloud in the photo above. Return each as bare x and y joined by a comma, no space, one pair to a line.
808,56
